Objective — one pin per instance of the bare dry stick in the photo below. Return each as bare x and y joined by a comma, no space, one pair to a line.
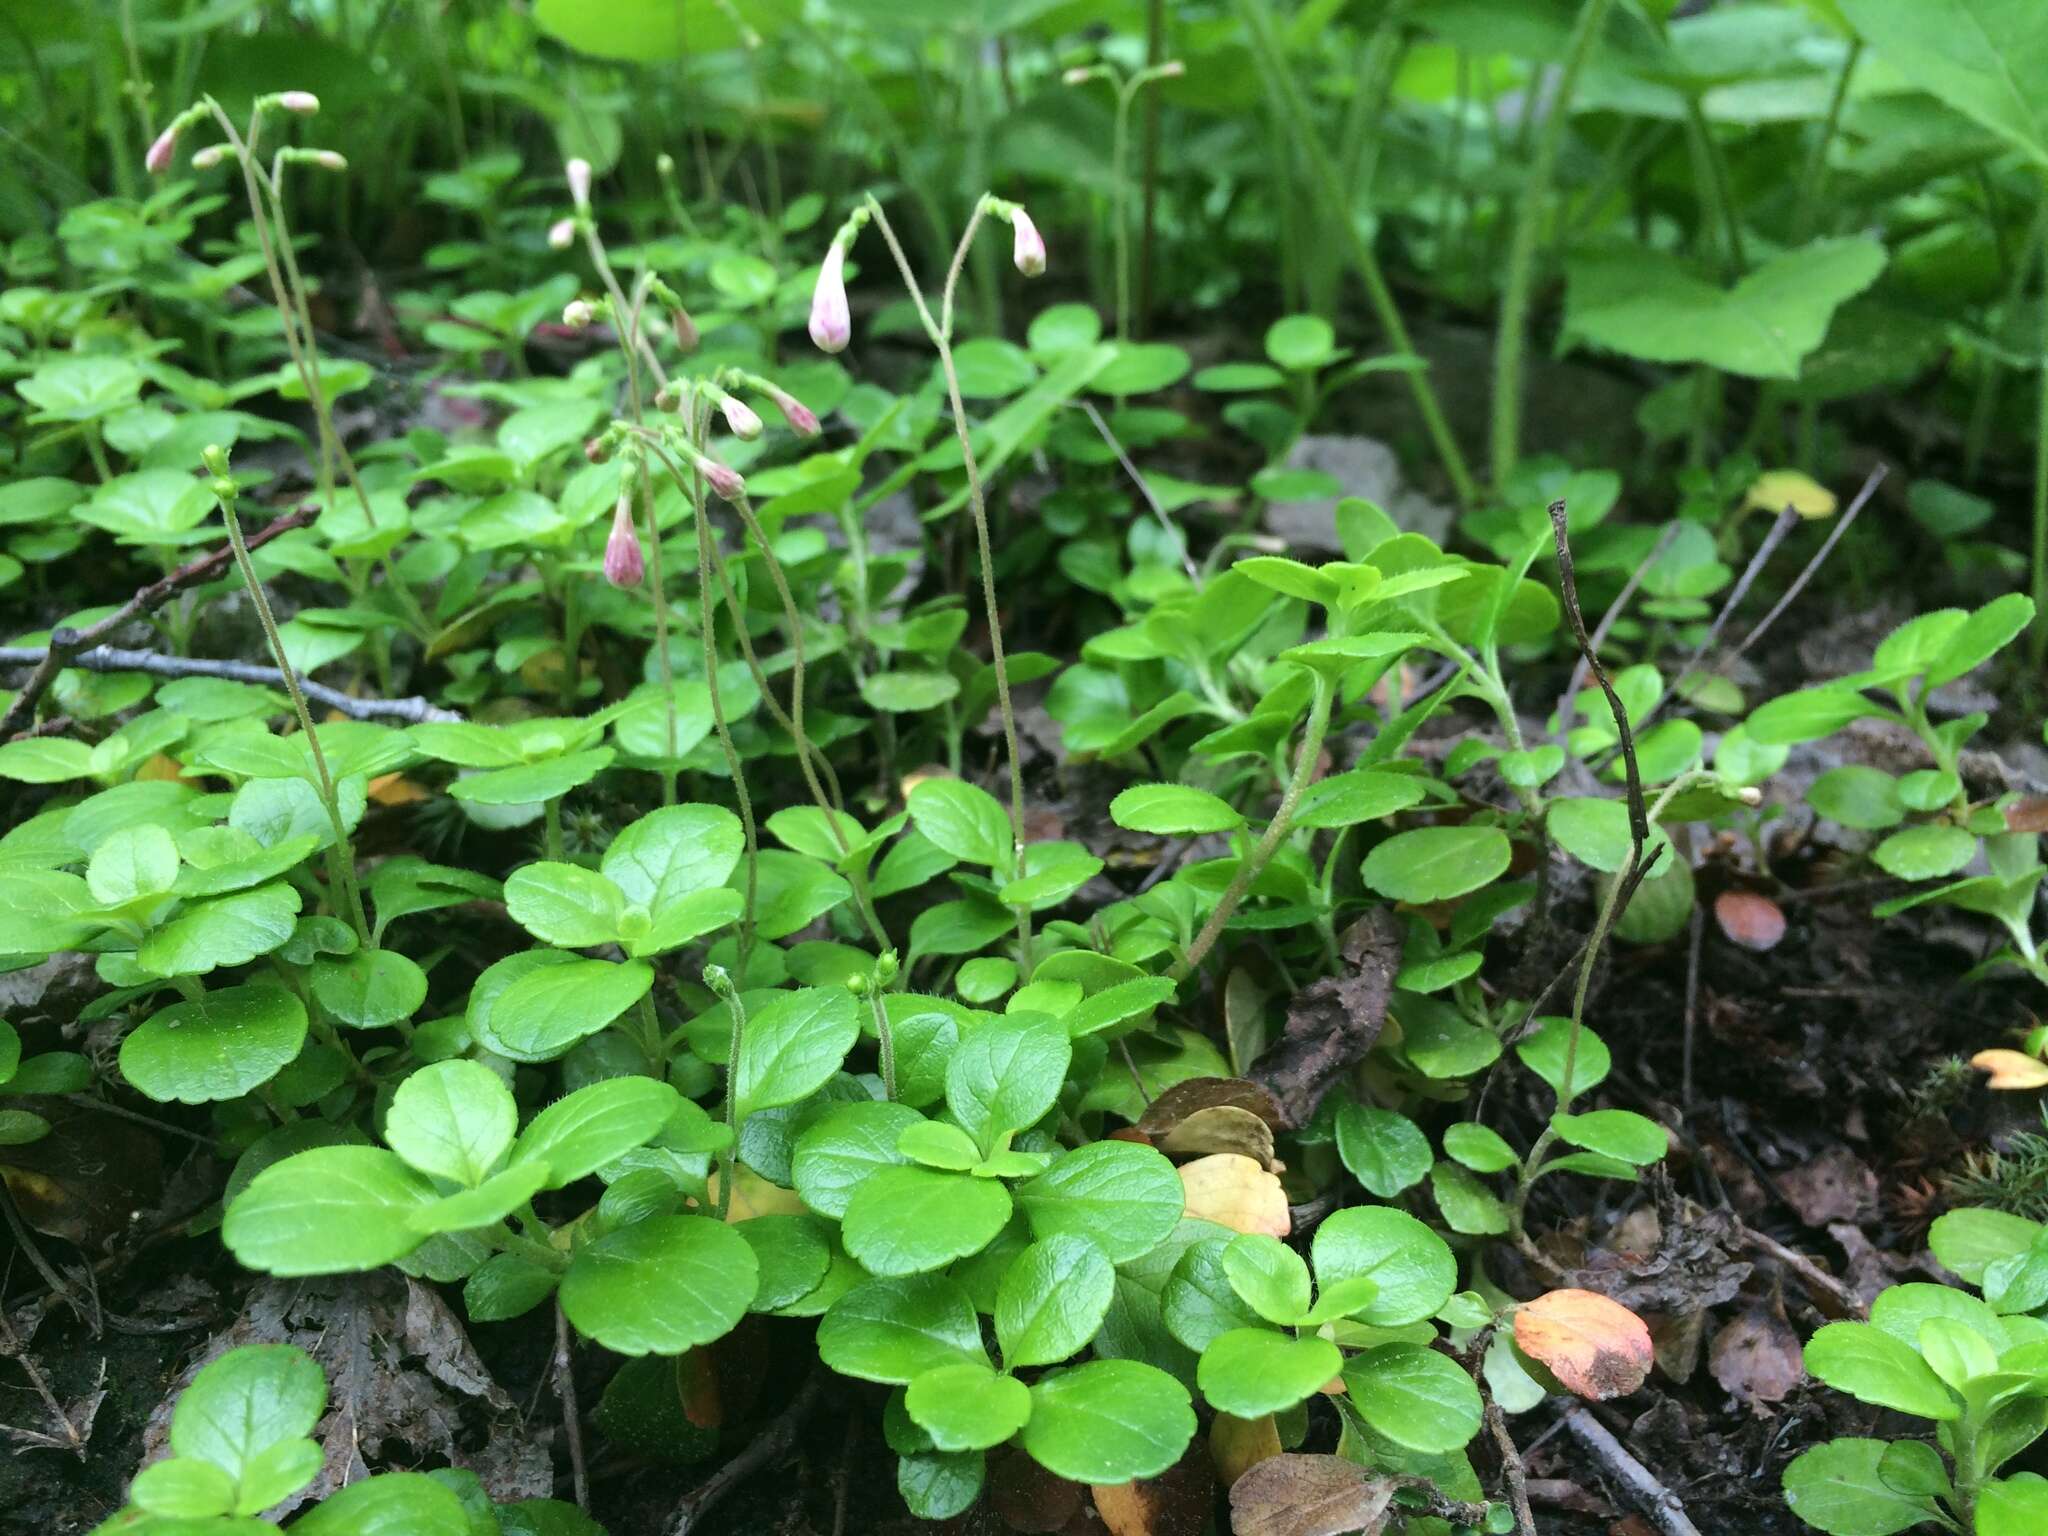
565,1389
1651,1496
66,644
1819,559
1570,696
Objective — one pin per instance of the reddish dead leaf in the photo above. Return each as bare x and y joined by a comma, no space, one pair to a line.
2011,1070
1757,1358
1175,1503
1293,1495
1753,921
1029,1498
1237,1445
697,1388
1593,1346
2028,815
1235,1192
1130,1133
1835,1186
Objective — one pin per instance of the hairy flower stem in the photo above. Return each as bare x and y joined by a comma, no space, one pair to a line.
1250,866
728,1160
2037,646
941,333
1533,210
341,859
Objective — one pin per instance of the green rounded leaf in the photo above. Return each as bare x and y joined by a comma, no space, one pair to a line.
1618,1133
1413,1268
565,904
241,1409
846,1144
1270,1277
1873,1367
1254,1371
1052,1299
1925,853
453,1119
390,1504
792,1046
1174,809
1110,1421
220,1046
533,1009
1839,1488
905,1221
661,1286
369,989
327,1211
967,1406
227,930
1415,1396
1437,863
1385,1151
793,1253
1005,1075
1127,1198
893,1330
581,1132
963,820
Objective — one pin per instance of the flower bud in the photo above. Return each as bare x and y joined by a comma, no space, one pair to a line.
1749,794
576,313
623,564
802,420
723,479
1172,69
578,173
1028,251
305,103
1080,74
562,234
685,328
206,159
330,160
158,160
665,163
740,418
831,320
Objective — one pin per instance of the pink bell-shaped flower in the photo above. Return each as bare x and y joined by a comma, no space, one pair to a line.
1028,249
158,160
831,320
623,563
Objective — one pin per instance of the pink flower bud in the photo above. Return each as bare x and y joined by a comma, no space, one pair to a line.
578,173
724,479
802,420
623,563
1172,69
685,329
1029,249
562,234
1080,74
831,320
305,103
576,313
740,418
206,159
158,160
330,160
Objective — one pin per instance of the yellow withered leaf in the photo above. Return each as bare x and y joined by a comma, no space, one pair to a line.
1234,1191
2012,1070
1777,489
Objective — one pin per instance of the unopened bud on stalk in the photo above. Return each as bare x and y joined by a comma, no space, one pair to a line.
1749,794
562,234
665,163
161,151
623,563
330,160
831,320
578,173
666,399
1080,74
596,450
1028,250
206,159
723,478
1172,69
685,328
740,417
576,313
305,103
802,420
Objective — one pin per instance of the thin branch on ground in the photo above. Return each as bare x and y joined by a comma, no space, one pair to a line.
772,1442
1570,697
107,658
1511,1469
1815,1277
1780,526
1820,556
1649,1495
572,1426
66,644
1187,561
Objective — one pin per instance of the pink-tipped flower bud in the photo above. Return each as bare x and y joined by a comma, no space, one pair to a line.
330,160
740,418
831,320
623,562
562,234
158,160
576,313
305,103
578,173
685,329
801,418
1028,251
724,479
206,159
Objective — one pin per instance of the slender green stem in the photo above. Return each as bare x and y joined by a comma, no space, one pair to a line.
1338,209
552,808
729,1159
651,1039
885,1039
1531,212
1814,171
707,623
2038,645
1251,865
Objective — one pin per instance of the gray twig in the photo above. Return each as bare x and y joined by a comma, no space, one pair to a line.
1641,1485
1819,559
1570,696
108,658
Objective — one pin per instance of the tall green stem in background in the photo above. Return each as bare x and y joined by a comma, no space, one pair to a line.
1337,208
1512,339
2038,646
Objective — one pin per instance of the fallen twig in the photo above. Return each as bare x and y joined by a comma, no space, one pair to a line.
1649,1495
572,1426
1570,697
107,658
1780,526
1512,1469
1816,1277
1819,559
65,644
762,1449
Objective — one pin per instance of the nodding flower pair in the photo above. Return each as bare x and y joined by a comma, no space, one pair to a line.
832,320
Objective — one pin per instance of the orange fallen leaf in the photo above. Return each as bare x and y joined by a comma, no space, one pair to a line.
395,789
1594,1346
2011,1069
753,1196
1753,921
1234,1191
1175,1503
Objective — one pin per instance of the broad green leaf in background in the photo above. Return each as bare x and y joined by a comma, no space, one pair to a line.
220,1045
1649,305
1986,58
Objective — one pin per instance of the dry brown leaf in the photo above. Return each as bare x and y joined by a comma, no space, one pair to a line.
1757,1358
1237,1445
1027,1497
2027,815
1836,1185
1175,1503
1223,1128
1195,1094
1235,1192
1293,1495
2013,1070
1753,921
1593,1346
